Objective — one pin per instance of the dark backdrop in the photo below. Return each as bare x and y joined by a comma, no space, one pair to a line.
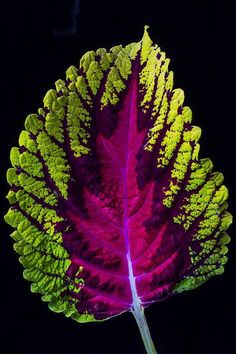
199,37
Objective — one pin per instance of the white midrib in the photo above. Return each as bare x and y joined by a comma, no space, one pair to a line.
135,298
136,308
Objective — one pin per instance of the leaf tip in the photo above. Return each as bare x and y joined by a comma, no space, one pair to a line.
146,28
146,44
146,33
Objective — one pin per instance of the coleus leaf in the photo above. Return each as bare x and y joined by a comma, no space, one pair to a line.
112,206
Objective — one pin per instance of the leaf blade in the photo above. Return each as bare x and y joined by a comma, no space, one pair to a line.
108,171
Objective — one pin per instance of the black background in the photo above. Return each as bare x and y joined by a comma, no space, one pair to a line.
199,37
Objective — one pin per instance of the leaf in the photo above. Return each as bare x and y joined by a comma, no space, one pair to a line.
112,206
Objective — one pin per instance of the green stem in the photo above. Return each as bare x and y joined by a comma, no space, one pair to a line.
138,312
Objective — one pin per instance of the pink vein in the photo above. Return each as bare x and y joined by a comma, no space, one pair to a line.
82,262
